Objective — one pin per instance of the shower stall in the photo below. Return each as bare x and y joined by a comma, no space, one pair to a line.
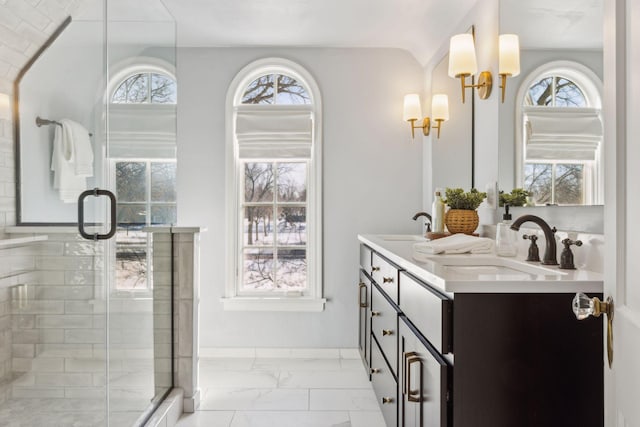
86,289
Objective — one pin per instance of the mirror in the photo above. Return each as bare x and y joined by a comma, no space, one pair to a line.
550,123
453,164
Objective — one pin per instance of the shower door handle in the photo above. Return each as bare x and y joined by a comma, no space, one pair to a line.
96,192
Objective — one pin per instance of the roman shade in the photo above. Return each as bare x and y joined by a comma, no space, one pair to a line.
144,131
274,132
562,133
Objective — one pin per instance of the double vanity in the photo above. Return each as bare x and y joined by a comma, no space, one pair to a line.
477,340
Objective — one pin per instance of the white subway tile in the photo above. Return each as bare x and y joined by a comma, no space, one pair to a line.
64,350
23,350
65,321
91,365
40,392
63,380
81,336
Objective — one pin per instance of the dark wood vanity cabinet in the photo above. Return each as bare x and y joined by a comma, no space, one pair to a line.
487,360
524,360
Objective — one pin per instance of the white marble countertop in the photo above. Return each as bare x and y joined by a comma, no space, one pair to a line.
467,273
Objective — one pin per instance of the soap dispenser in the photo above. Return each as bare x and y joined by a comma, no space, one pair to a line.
506,238
437,212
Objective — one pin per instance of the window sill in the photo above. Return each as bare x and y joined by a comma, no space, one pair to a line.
273,304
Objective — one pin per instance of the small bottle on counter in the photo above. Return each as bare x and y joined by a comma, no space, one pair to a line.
437,213
506,238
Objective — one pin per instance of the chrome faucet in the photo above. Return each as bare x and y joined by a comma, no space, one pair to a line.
550,257
419,214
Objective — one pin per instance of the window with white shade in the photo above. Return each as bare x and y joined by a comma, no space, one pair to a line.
142,167
560,142
274,168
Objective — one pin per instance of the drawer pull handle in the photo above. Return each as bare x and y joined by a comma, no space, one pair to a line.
387,400
374,269
387,280
386,332
375,370
375,313
361,285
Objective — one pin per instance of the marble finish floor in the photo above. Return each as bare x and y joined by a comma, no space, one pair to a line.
300,391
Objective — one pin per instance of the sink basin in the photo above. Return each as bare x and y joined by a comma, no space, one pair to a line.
492,265
402,238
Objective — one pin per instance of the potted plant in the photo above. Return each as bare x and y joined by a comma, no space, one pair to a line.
462,216
517,197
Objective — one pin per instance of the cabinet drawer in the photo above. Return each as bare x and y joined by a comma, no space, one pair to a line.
385,275
365,258
424,383
384,326
429,311
384,386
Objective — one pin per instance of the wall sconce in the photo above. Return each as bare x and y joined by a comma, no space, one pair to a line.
413,112
5,106
462,64
509,59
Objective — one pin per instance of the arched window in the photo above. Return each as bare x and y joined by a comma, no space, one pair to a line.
274,195
146,88
142,160
560,135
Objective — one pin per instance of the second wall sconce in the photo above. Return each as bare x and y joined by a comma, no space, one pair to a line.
509,59
413,112
462,64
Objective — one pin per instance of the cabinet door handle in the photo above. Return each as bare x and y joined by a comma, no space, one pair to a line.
375,370
386,332
411,394
406,357
387,400
387,280
374,269
361,285
375,313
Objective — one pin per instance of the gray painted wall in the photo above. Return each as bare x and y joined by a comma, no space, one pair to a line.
372,179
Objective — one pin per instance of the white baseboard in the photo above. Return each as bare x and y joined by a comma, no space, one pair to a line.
291,353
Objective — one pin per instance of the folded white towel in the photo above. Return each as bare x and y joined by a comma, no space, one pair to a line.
456,244
65,180
77,137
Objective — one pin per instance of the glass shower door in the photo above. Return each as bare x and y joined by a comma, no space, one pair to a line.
140,160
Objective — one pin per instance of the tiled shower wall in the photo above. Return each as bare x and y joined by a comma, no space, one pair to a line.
58,321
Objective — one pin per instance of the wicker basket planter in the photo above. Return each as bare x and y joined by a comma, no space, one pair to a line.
461,221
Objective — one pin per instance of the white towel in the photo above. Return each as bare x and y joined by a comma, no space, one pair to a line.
80,144
65,180
456,244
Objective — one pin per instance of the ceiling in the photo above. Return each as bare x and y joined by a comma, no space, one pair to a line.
550,24
419,26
